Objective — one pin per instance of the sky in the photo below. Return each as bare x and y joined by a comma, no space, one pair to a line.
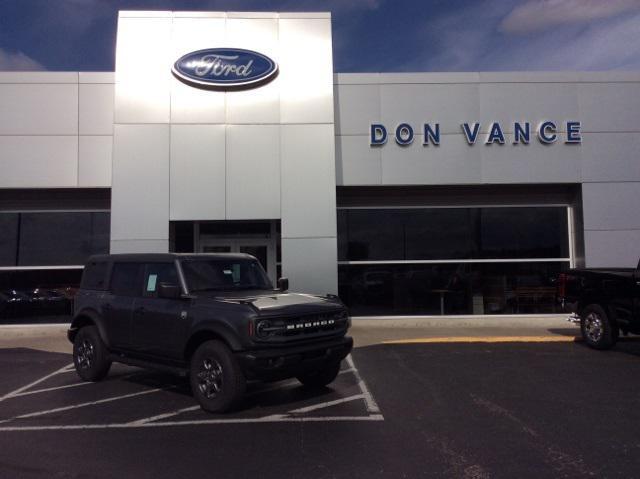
368,35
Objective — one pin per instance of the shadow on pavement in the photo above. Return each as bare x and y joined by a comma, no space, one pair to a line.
569,332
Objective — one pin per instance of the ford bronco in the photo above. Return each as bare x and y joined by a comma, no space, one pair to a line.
215,318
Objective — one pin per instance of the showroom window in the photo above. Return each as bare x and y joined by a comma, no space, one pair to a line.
480,260
42,254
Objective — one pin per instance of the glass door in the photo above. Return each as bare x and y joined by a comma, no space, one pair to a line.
260,248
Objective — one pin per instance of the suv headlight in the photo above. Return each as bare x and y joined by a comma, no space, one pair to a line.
263,328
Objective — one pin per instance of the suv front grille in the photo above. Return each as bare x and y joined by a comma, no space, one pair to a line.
301,326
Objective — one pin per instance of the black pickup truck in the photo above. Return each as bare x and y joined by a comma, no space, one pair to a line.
215,318
607,301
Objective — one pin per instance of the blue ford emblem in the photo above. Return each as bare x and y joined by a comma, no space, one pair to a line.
225,68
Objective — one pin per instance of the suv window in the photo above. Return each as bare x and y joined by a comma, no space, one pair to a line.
94,275
125,279
156,273
219,274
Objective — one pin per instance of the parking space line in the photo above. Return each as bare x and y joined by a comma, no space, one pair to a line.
268,419
37,391
314,407
372,406
30,385
159,420
76,406
139,422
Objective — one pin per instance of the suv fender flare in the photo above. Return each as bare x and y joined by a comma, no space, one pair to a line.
87,316
223,332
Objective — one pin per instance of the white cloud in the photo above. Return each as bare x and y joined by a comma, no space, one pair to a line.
328,5
75,16
613,45
538,15
473,41
18,62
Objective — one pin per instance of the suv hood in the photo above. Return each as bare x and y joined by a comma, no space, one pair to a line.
274,302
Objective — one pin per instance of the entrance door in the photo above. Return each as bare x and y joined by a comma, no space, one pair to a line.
261,248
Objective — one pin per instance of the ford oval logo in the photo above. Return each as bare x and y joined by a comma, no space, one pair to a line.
225,68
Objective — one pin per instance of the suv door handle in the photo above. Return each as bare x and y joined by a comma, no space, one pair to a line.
107,307
140,310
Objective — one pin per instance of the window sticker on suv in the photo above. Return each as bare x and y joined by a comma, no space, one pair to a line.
151,282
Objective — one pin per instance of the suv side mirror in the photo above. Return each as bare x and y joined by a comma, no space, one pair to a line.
283,284
169,291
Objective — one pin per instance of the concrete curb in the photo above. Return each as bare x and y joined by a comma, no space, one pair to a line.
452,322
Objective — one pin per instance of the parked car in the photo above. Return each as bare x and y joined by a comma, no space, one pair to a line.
215,318
38,304
607,301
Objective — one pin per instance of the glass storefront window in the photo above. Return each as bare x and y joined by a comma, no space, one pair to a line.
481,260
41,239
378,234
449,288
523,233
440,233
9,238
371,234
38,296
62,238
52,238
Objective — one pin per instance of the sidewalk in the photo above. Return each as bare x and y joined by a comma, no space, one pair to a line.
366,331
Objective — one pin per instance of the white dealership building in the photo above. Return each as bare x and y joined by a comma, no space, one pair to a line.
406,193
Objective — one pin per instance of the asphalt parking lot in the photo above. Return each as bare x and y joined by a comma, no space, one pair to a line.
436,409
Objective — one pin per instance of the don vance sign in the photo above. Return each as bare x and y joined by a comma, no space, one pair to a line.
546,132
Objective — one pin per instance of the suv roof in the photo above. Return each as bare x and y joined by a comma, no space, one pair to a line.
161,257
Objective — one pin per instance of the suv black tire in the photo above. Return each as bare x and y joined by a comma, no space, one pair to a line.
216,379
90,355
598,330
321,378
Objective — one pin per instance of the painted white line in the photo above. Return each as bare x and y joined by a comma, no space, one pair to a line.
372,406
265,420
76,406
37,391
145,420
30,385
323,405
268,419
345,371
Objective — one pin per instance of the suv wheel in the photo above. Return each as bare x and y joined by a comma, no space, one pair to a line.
90,355
597,329
320,378
216,379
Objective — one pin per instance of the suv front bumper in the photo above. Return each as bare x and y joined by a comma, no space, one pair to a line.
281,363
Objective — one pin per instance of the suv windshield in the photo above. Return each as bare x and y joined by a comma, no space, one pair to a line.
219,274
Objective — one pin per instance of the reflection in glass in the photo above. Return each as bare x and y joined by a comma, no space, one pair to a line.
463,288
8,238
380,234
62,238
46,239
38,296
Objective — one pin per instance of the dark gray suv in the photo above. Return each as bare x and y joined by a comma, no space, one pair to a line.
215,318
